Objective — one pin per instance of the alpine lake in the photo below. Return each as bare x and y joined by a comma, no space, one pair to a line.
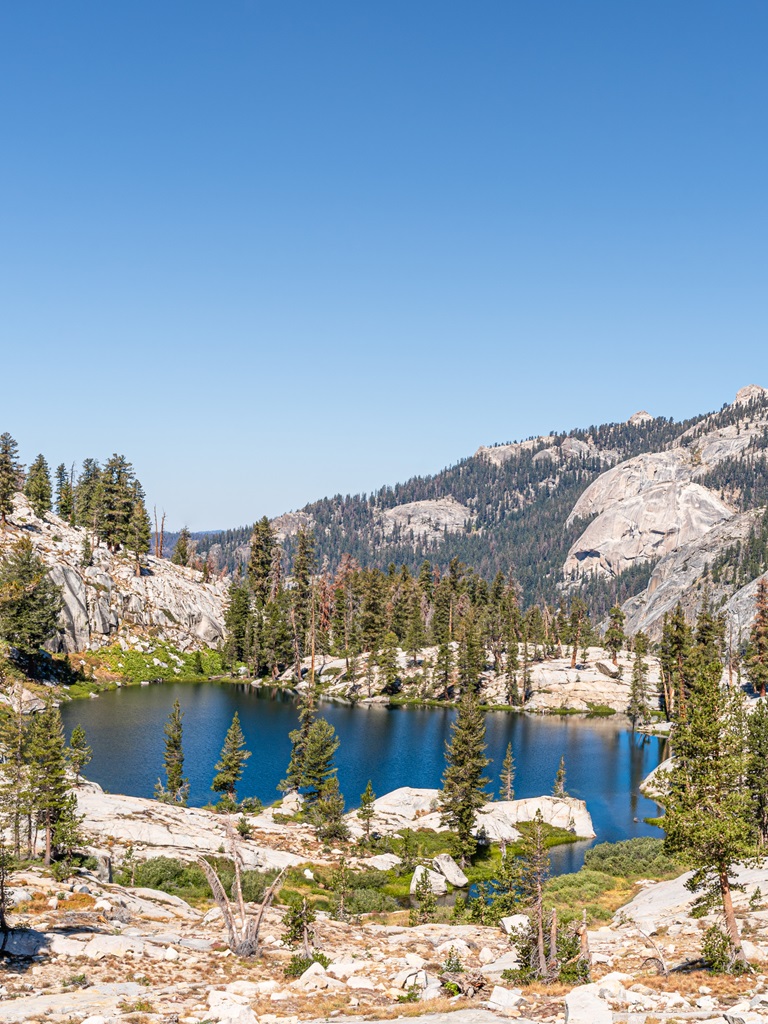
392,746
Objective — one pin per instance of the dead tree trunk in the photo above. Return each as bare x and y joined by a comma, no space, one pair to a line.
241,924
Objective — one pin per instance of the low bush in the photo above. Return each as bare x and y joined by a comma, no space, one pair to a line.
298,964
643,857
370,901
180,878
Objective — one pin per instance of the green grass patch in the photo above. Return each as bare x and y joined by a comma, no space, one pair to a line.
181,878
600,711
607,880
137,666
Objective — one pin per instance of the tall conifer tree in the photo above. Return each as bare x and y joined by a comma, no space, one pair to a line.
757,651
176,788
231,764
37,487
463,780
709,812
10,475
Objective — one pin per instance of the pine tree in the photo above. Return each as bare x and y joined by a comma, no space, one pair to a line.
231,763
463,781
10,475
260,561
415,637
558,789
321,745
88,496
426,902
176,788
505,894
117,501
578,616
139,529
444,667
676,662
372,618
29,599
276,633
638,710
182,549
507,791
295,777
5,896
66,830
367,810
757,776
471,656
79,754
302,594
15,799
328,813
237,619
757,652
535,867
615,638
47,754
709,813
64,494
387,661
37,487
86,552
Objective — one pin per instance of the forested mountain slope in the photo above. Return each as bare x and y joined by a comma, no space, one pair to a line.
606,510
502,509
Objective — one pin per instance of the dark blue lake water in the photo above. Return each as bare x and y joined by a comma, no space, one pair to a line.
605,762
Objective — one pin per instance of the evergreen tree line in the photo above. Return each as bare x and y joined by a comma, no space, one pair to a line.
685,651
106,501
474,625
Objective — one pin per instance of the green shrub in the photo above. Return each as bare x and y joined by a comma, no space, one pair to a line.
569,967
180,878
643,857
453,964
298,964
718,953
370,901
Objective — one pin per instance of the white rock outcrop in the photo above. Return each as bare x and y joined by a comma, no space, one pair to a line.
428,519
650,505
412,808
447,866
437,882
107,601
554,685
499,817
645,526
156,829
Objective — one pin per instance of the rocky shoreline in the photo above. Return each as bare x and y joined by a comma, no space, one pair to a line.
90,950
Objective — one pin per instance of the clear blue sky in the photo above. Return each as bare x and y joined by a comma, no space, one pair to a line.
276,250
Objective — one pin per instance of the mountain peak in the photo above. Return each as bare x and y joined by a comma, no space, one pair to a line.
745,395
639,418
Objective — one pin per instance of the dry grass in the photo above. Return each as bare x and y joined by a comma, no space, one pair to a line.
544,990
722,986
319,1007
77,901
445,1004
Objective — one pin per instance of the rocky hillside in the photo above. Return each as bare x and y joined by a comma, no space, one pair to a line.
106,603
